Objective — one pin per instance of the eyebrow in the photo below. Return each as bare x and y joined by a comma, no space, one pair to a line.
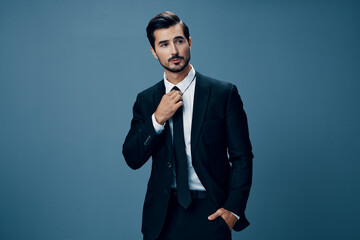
179,37
161,42
165,41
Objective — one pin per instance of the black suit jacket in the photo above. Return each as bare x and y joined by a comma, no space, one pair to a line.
220,148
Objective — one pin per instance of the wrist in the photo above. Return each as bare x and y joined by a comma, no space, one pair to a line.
158,120
158,127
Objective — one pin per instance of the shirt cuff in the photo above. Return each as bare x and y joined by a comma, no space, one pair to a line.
158,127
235,215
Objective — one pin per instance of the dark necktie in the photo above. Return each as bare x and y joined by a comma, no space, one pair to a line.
182,182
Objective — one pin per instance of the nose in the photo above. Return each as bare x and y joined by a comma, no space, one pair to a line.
174,50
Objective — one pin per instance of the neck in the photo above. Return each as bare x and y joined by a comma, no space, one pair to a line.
175,78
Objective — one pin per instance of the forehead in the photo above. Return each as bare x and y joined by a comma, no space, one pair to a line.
168,33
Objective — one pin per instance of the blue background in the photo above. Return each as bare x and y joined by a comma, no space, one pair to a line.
69,74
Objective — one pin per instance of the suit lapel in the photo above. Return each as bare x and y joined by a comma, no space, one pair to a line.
201,97
158,94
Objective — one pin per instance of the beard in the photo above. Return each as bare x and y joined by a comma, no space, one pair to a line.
175,69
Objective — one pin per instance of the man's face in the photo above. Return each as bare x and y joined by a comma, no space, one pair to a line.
172,48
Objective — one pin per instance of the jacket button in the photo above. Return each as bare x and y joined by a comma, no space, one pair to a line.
169,164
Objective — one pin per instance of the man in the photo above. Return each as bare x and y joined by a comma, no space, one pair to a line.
195,129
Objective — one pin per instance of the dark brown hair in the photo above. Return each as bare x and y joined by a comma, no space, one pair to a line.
164,20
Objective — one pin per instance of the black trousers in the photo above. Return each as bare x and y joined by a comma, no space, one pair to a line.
193,223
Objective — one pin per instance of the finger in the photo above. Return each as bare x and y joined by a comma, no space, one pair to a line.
176,98
178,104
176,94
169,94
215,215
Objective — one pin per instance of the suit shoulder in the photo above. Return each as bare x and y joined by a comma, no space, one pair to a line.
216,84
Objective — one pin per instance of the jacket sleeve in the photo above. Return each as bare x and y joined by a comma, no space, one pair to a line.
141,139
240,156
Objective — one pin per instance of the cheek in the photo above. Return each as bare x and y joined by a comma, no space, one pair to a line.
163,59
185,51
162,56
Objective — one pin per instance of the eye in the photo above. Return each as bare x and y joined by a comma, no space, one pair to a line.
163,45
179,41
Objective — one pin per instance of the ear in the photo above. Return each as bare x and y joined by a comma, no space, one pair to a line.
153,52
190,42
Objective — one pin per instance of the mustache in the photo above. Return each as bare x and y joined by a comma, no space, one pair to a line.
174,57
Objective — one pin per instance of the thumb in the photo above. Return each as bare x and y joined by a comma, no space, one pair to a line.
215,215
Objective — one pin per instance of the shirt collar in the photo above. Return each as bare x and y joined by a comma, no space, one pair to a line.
181,85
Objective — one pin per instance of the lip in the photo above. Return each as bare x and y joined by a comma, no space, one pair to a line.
176,60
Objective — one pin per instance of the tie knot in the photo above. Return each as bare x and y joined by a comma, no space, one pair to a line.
175,88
